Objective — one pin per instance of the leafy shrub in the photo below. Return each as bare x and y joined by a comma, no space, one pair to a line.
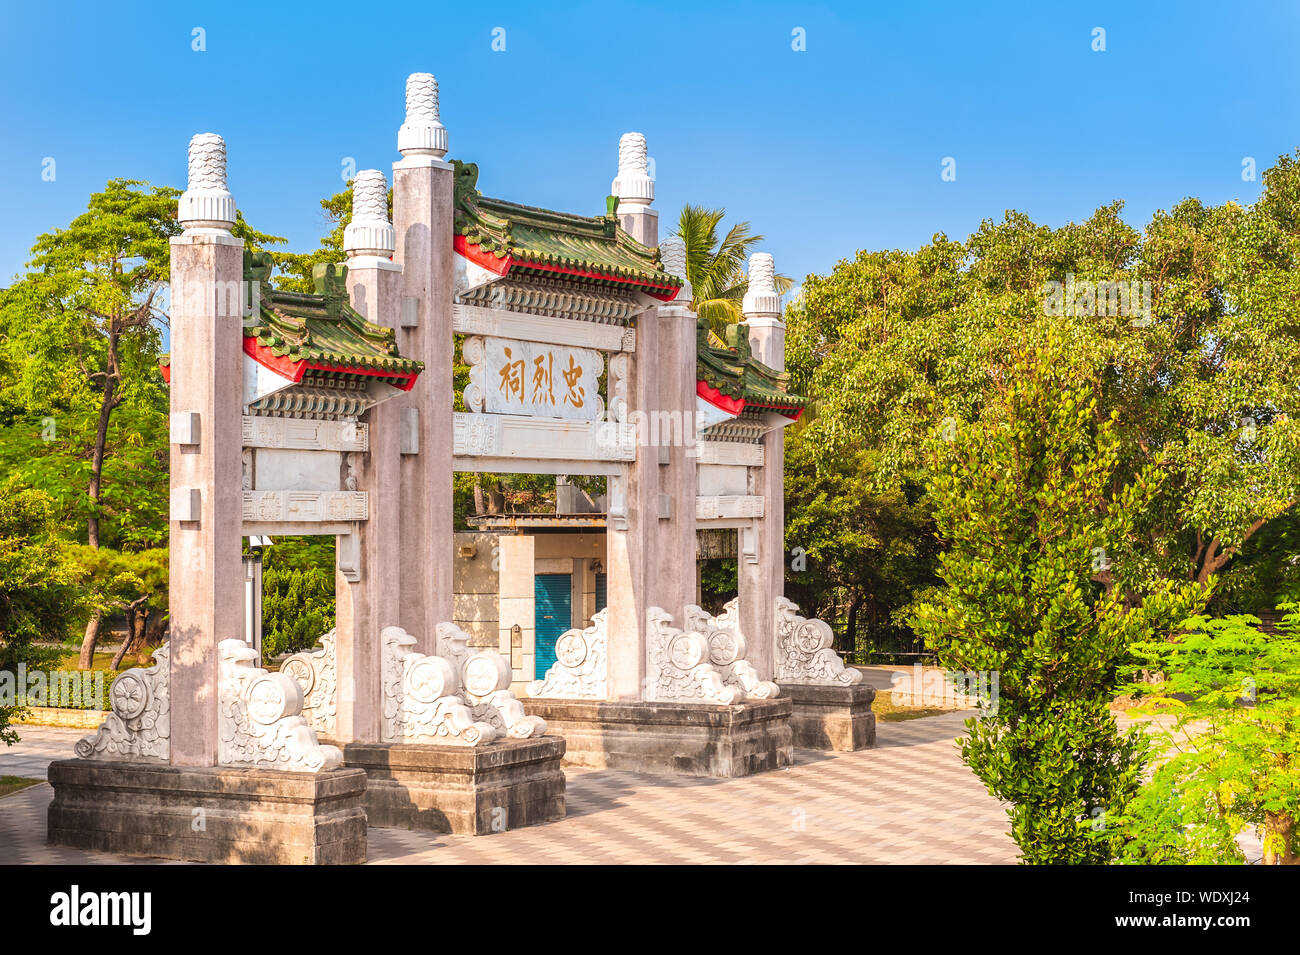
297,594
1231,750
1027,501
39,589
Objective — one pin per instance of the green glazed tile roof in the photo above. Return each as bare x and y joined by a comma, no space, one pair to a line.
555,241
321,328
735,372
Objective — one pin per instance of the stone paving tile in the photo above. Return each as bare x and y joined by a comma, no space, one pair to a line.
908,800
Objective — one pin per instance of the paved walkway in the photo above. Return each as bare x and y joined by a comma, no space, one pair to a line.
909,800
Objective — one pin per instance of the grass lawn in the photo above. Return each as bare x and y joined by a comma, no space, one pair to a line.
886,712
11,784
103,660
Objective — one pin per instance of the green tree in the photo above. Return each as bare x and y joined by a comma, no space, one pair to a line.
858,555
128,582
1198,364
94,302
716,266
81,335
39,590
1031,505
297,594
1230,745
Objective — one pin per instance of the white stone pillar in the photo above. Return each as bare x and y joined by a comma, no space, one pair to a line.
631,580
760,556
423,216
206,599
367,593
679,476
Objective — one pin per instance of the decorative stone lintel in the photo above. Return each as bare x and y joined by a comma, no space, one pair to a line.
313,506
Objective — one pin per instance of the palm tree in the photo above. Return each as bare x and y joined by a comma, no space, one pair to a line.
716,270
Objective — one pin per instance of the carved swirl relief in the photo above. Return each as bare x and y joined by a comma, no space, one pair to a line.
803,650
728,649
139,726
422,703
259,720
578,672
678,666
455,696
485,685
315,672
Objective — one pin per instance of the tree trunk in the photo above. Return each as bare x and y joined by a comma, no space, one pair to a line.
101,441
127,642
91,636
852,634
87,656
1279,827
136,615
155,630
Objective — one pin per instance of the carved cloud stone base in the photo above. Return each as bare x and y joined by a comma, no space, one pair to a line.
832,717
217,814
467,790
678,739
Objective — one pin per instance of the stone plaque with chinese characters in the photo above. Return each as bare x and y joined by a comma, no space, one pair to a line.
548,381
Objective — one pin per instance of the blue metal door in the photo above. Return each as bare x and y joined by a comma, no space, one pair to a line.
554,615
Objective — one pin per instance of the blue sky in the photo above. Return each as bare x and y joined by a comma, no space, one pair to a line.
826,151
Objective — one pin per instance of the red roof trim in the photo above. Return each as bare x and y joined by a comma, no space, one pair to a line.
784,412
503,264
286,367
734,406
486,260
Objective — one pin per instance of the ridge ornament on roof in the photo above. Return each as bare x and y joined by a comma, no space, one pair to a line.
507,238
317,334
733,380
298,333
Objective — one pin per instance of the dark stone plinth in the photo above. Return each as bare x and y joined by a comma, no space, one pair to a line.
211,814
681,739
468,790
832,717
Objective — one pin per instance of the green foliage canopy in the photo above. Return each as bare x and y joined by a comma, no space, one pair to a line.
1026,499
895,346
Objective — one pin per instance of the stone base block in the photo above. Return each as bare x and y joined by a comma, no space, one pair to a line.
681,739
832,717
215,814
467,790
